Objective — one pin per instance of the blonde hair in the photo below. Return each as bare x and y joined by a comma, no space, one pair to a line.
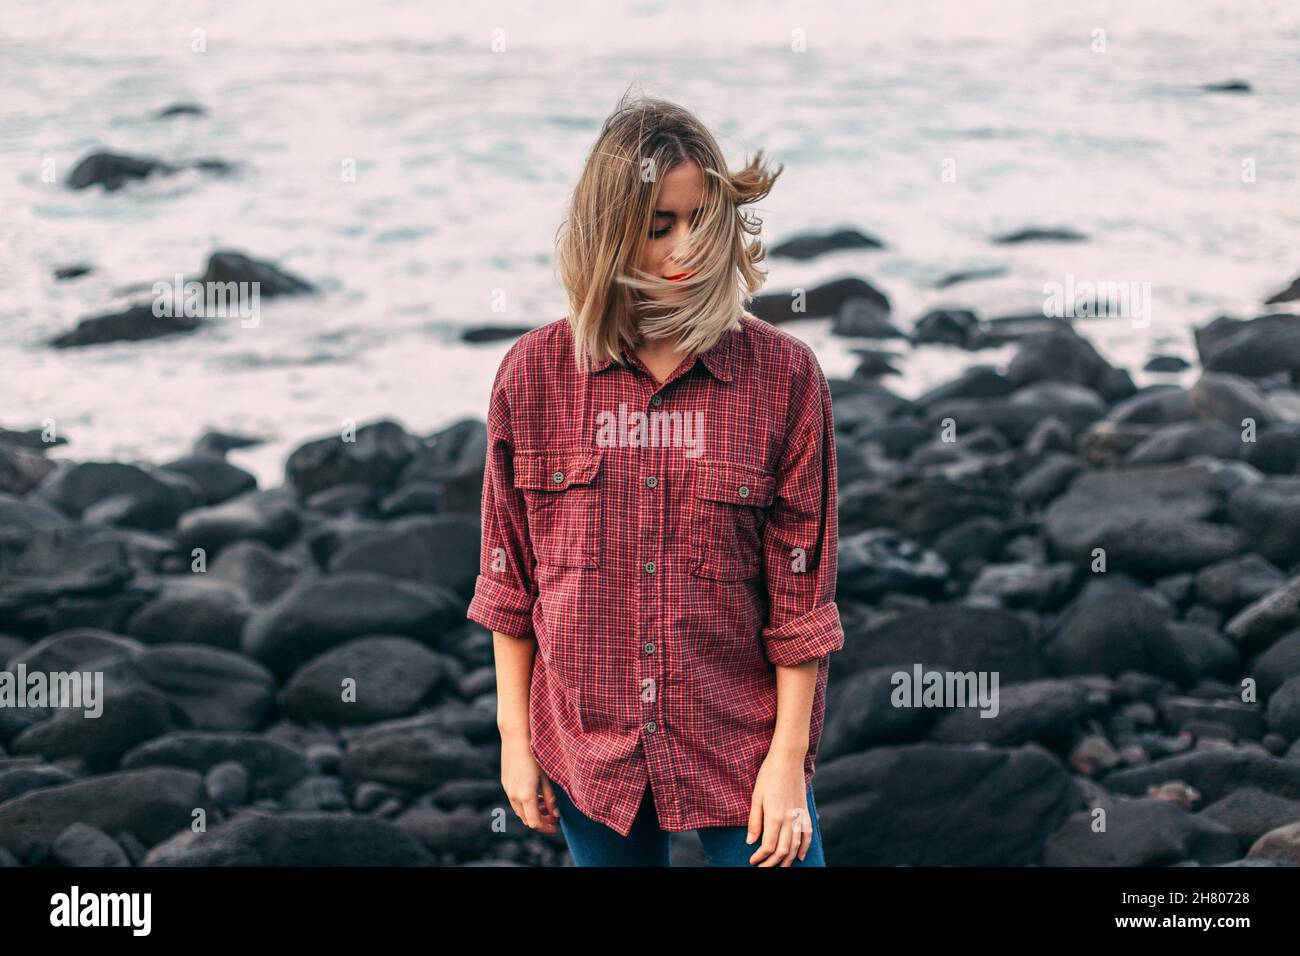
601,241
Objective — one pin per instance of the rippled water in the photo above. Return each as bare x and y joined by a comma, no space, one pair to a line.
465,158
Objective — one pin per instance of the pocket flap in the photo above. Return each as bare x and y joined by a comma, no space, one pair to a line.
735,484
556,470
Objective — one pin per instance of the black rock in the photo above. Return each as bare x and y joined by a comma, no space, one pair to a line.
878,808
148,804
876,562
64,273
1268,511
1290,294
861,713
812,245
965,638
180,109
316,615
112,170
1260,623
493,333
1232,584
136,324
377,456
1166,363
273,765
1048,711
945,326
1254,348
1142,832
1117,632
216,479
864,319
953,278
230,266
1227,86
392,676
1039,234
1215,773
294,839
823,300
266,516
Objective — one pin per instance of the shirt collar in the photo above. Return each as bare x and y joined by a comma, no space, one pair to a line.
719,358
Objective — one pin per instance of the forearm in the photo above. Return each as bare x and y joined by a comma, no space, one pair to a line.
514,666
795,688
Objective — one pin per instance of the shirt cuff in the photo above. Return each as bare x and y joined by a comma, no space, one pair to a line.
810,635
501,608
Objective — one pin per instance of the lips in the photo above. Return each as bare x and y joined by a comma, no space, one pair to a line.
679,277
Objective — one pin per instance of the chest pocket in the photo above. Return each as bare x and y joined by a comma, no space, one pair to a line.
726,508
561,491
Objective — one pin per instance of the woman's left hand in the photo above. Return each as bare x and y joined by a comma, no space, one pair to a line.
779,811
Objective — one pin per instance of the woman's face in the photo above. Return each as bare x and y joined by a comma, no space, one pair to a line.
680,199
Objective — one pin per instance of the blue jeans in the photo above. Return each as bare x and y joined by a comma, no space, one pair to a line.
591,843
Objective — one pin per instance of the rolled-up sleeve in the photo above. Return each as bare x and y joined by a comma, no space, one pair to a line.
801,535
504,592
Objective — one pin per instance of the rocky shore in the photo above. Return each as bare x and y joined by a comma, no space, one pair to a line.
1126,560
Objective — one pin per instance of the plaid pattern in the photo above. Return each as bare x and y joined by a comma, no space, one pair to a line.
663,564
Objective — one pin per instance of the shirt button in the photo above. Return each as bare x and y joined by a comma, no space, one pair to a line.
651,482
651,726
744,491
650,567
649,647
558,477
657,400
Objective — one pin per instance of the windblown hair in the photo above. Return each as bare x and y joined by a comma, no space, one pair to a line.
600,244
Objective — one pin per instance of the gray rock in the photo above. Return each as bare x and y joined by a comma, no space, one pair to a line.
1232,584
389,678
1110,634
1283,713
82,845
217,689
192,610
266,516
256,569
1228,400
1251,812
964,638
1268,511
872,563
1049,712
273,766
860,713
998,806
229,784
823,300
1143,832
1258,624
812,245
413,753
1022,584
124,494
148,804
318,614
375,458
1278,664
294,839
1254,348
20,778
1215,773
1184,440
128,717
438,550
216,478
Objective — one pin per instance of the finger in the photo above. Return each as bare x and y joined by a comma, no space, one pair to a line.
546,821
771,834
806,842
532,818
783,841
548,794
755,818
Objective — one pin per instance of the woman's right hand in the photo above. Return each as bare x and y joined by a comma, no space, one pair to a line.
530,792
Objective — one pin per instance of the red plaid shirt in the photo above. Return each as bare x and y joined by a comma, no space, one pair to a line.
664,563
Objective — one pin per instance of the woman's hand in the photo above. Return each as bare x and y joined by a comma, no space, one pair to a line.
528,789
779,811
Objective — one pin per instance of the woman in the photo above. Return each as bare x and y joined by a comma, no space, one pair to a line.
659,524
